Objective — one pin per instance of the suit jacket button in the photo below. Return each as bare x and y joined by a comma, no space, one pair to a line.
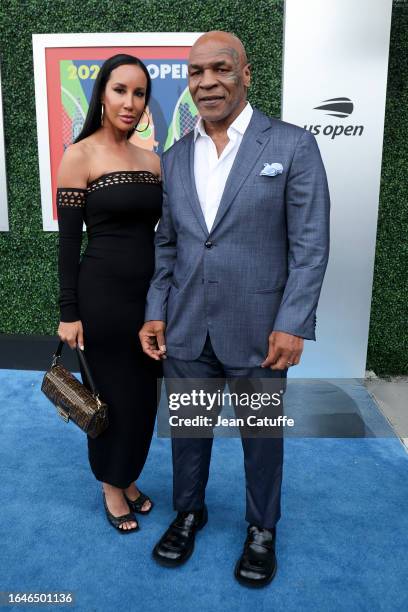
208,244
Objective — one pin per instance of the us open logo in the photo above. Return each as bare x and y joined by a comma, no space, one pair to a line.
336,107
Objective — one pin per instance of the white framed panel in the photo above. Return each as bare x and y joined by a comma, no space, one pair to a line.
4,220
111,43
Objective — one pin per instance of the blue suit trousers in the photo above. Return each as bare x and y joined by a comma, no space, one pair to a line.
263,456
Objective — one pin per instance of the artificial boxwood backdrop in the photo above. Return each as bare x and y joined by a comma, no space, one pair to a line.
28,256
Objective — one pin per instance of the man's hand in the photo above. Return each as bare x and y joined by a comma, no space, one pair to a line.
284,350
152,339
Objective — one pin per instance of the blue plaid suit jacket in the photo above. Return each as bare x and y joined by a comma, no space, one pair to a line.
261,266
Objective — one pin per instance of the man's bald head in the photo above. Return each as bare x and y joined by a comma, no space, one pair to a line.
219,76
223,40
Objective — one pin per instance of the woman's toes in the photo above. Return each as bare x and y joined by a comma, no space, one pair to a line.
146,506
128,525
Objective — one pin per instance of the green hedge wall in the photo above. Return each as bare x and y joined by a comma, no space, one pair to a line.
388,339
28,280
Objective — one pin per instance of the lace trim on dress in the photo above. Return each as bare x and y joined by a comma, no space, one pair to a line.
72,198
123,176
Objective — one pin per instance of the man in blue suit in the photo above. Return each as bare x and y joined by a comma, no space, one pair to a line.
241,252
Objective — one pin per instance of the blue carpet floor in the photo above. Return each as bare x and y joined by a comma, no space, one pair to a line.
342,541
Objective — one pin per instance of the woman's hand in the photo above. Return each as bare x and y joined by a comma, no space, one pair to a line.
72,334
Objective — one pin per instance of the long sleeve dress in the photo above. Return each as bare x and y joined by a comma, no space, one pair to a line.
106,290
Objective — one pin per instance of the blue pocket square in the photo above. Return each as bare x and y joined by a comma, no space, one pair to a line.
271,169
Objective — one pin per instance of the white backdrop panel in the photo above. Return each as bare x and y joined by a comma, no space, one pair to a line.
336,56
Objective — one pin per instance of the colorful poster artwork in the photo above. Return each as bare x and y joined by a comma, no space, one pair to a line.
71,74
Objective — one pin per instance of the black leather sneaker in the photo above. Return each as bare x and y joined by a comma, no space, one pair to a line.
177,543
257,564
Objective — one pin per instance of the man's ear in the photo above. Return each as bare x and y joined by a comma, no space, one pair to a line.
247,75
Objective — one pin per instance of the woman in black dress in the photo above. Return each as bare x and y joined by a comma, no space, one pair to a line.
114,187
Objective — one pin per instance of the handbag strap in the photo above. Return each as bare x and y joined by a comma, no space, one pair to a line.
82,361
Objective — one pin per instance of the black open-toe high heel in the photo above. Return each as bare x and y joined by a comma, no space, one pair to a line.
137,504
117,521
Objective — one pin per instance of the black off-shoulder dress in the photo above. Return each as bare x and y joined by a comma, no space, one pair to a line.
106,290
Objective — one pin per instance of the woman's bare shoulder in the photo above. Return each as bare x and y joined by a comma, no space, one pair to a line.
74,167
148,160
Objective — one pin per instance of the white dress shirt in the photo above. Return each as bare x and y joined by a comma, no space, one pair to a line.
210,171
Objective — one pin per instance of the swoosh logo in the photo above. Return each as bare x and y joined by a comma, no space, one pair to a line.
337,107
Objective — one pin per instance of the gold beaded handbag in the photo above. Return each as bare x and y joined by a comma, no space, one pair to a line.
72,399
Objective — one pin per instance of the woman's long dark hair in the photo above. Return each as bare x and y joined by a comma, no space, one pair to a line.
93,116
